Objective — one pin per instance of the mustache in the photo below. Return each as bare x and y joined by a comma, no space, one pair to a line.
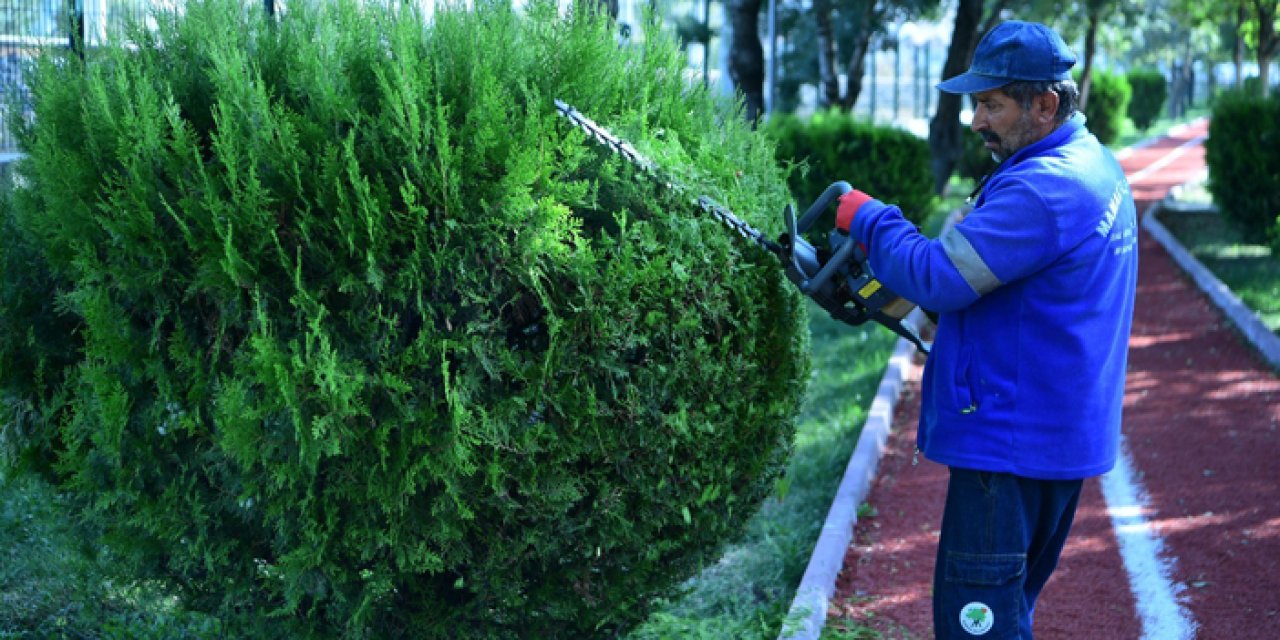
988,136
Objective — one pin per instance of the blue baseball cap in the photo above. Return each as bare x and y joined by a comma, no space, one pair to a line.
1013,51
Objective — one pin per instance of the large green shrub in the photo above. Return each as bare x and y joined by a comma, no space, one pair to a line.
976,161
335,327
1243,154
1149,91
886,162
1109,95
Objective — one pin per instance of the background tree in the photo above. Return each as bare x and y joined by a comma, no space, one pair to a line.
828,82
1096,11
946,133
1247,25
1263,32
746,55
1237,39
1172,35
797,61
841,33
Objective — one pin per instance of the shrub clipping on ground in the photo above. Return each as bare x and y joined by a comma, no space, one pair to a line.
333,325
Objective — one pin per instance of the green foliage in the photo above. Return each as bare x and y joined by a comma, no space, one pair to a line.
1250,268
1243,154
1150,90
332,325
1252,86
976,161
54,585
1109,95
747,595
888,163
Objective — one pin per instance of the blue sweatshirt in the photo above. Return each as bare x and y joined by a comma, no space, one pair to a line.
1034,290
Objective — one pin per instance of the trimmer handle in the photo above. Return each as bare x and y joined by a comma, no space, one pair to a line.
815,210
806,270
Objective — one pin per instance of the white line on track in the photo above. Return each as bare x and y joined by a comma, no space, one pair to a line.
1163,616
1163,162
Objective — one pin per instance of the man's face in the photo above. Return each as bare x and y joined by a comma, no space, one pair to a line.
1003,123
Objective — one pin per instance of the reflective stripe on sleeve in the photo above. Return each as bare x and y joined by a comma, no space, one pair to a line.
968,262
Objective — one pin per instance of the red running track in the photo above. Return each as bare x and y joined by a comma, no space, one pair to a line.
1201,416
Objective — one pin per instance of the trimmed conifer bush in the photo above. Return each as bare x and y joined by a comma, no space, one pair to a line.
886,162
1243,154
336,328
976,161
1150,90
1109,95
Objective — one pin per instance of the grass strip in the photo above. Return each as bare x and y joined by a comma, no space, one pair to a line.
1246,265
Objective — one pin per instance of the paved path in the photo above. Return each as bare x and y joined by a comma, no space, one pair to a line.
1192,527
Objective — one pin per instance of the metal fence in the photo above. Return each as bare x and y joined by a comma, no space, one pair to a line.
29,26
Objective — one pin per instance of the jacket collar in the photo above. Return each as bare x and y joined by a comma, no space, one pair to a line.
1056,138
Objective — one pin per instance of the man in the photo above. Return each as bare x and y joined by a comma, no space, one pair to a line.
1023,389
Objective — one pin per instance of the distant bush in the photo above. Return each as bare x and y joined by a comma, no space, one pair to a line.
1243,154
332,324
888,163
1109,95
1252,86
976,161
1150,90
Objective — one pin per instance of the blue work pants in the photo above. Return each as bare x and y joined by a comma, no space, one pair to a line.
1001,538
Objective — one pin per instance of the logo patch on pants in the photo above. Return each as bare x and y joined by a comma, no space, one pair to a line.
976,618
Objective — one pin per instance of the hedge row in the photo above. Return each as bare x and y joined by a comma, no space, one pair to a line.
886,162
1243,154
1108,104
1150,90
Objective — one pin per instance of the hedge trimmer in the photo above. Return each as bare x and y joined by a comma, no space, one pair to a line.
838,279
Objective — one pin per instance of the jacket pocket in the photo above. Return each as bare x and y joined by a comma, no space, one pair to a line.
966,391
985,569
981,596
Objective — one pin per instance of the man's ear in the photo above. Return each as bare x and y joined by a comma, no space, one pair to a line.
1045,107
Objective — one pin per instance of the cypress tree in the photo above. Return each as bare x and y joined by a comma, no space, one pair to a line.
335,328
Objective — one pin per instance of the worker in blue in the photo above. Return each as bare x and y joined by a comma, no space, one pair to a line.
1034,292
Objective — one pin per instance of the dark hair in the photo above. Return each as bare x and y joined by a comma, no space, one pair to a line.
1025,90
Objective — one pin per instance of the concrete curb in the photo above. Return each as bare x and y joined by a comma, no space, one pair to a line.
808,613
1245,319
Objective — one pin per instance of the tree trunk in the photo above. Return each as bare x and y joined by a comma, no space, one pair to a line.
1090,48
856,68
1267,42
1238,54
828,82
1188,76
1175,89
946,134
746,57
854,73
